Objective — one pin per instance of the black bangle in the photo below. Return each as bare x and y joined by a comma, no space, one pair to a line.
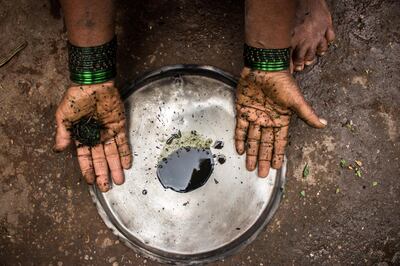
266,59
92,65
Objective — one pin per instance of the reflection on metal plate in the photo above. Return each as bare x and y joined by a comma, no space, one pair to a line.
207,223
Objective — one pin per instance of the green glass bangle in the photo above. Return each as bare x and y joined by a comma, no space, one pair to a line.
92,65
92,77
266,59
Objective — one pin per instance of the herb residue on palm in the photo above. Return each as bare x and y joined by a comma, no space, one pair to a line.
87,131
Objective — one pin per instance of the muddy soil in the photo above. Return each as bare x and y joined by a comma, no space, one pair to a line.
333,216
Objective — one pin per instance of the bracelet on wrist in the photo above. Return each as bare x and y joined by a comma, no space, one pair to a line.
266,59
92,65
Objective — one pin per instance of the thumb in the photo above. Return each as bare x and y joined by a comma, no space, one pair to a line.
63,136
306,112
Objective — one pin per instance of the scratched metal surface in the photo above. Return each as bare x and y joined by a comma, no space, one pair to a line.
207,223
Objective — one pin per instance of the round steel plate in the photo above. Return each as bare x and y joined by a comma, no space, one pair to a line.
205,224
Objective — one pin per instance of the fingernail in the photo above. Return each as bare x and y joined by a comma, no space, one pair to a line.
240,149
323,121
299,68
55,149
251,166
104,189
90,178
127,162
119,183
322,53
307,63
262,175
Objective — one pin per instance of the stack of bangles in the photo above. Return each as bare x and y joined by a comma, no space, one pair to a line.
92,65
97,64
266,59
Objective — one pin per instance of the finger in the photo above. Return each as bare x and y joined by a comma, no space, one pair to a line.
305,112
100,167
114,163
263,168
322,47
124,150
265,151
242,126
63,136
253,142
85,162
280,142
330,35
310,56
298,57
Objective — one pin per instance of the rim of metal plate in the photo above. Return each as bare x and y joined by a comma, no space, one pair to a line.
200,258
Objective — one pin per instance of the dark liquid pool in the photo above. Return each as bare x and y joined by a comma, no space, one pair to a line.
186,169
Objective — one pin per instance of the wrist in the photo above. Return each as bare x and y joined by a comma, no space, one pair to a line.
92,65
246,71
108,83
270,60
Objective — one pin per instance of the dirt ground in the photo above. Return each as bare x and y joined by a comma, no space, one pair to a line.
46,214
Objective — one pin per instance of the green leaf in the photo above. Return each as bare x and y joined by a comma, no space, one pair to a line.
306,170
374,184
343,163
337,190
358,172
350,126
302,193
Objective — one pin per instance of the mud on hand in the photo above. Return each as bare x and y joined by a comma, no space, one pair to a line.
264,105
108,151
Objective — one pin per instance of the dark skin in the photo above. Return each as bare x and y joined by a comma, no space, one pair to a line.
268,23
312,34
266,100
85,26
102,101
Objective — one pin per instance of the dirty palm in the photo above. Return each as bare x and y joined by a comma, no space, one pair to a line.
264,105
267,94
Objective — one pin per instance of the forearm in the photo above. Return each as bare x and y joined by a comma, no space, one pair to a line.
89,22
269,23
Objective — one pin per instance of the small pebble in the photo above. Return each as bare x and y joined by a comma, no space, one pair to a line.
218,144
221,159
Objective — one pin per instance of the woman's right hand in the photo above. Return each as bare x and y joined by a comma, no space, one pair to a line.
102,102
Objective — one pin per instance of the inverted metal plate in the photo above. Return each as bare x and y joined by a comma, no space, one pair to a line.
211,221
